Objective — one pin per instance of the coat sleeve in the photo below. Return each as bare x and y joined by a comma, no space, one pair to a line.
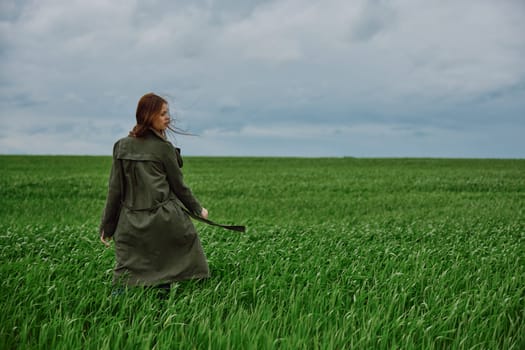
176,181
111,212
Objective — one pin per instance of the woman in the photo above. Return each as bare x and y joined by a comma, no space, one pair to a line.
148,204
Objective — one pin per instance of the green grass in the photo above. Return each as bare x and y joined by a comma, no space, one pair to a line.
339,253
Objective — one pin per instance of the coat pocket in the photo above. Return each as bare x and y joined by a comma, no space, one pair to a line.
179,226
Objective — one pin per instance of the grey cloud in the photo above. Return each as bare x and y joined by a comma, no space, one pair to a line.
21,99
59,128
375,17
11,10
228,105
234,65
517,89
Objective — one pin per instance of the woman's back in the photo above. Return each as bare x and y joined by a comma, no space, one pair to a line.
143,171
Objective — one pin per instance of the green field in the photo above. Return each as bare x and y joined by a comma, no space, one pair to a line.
339,253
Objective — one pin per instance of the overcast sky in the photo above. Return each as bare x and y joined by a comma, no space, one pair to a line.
363,78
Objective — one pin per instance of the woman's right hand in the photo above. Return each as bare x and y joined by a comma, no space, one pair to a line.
204,213
104,240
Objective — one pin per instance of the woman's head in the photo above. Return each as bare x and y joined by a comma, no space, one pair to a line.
152,112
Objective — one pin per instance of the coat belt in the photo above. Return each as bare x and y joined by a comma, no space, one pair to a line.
194,216
158,205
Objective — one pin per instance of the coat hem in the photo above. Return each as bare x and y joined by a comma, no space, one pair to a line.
138,283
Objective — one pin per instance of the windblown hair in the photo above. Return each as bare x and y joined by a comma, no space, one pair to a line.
148,108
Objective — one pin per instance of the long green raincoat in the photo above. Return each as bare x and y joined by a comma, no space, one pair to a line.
155,240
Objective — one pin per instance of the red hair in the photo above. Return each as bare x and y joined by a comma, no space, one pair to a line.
148,108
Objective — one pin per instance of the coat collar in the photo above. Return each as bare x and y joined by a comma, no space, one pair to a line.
158,134
164,138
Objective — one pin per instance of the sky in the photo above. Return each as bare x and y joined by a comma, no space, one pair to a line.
301,78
